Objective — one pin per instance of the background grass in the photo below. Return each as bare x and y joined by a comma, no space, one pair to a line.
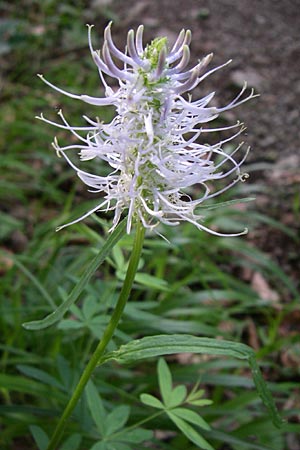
196,284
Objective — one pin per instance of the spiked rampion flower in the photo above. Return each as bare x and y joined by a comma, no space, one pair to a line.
154,145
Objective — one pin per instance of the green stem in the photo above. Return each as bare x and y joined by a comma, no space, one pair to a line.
107,335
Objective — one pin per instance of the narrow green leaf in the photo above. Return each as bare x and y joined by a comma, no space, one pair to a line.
152,346
162,324
34,281
137,435
72,443
116,445
90,307
119,258
70,324
149,400
152,282
158,345
178,396
96,407
264,392
200,402
196,394
191,416
238,443
164,380
21,384
117,419
78,288
195,397
64,370
190,432
39,375
39,436
227,203
100,446
255,258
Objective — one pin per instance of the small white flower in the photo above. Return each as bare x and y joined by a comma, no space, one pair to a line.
154,145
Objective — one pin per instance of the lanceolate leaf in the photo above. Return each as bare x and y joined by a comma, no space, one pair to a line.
40,437
165,380
137,435
96,406
72,443
150,400
191,416
177,396
158,345
78,288
190,432
101,446
117,419
228,203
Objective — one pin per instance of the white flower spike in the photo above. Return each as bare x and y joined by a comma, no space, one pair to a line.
154,145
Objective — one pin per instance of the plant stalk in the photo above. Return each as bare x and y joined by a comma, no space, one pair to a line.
107,335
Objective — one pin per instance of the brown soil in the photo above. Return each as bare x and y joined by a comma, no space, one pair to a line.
262,37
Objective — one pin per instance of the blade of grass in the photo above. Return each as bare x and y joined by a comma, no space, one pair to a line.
158,345
56,315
